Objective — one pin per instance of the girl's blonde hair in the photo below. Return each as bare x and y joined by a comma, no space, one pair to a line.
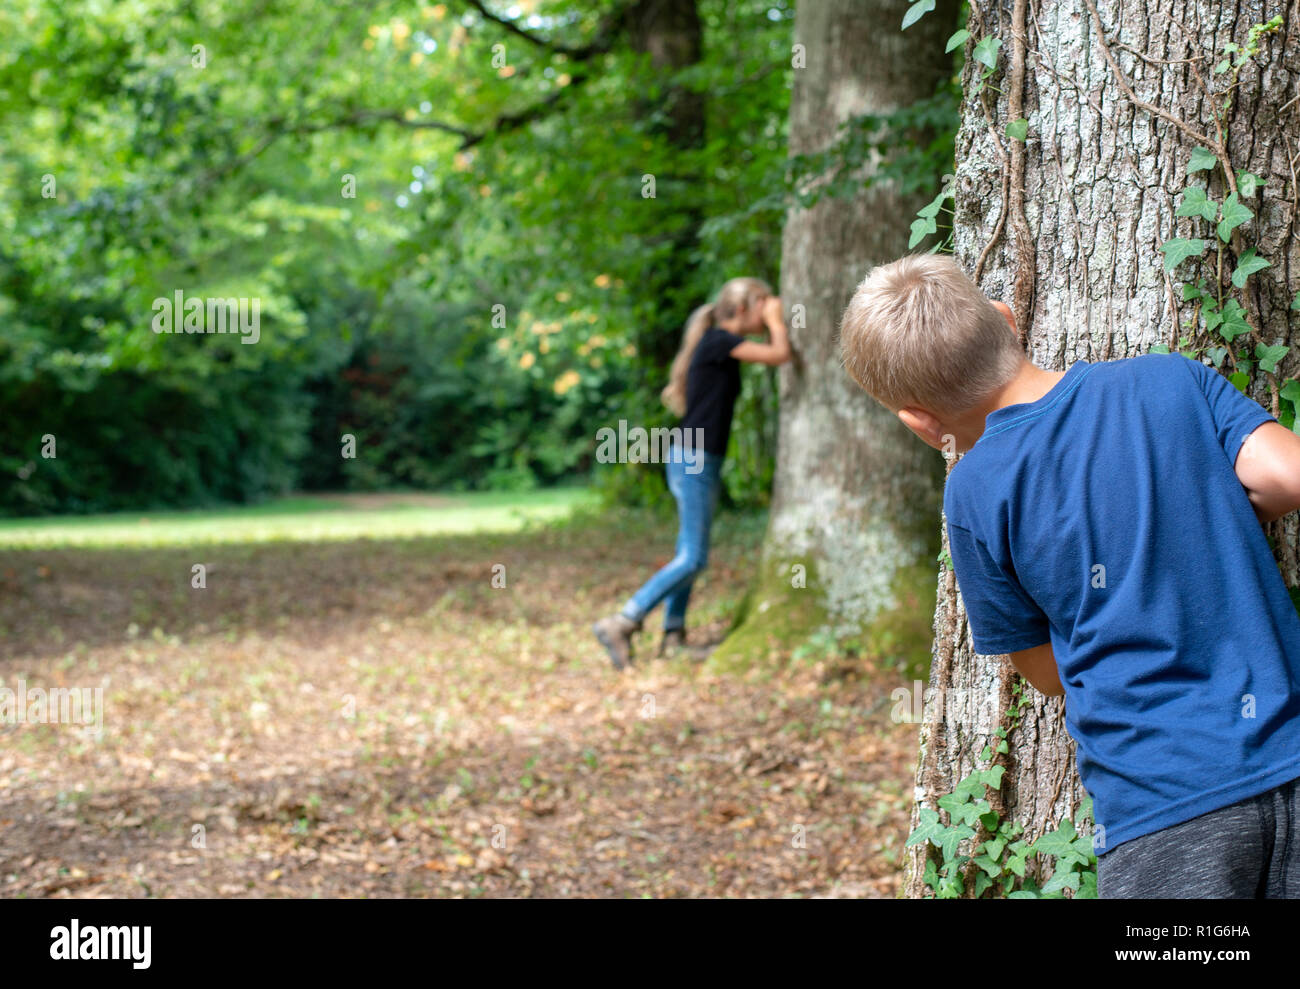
737,293
919,332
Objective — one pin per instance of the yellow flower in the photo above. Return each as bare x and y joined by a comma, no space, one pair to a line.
563,79
566,381
538,327
629,350
544,346
602,281
562,296
503,344
417,58
528,360
506,71
401,31
597,340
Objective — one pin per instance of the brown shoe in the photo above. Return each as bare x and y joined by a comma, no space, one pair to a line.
615,634
672,643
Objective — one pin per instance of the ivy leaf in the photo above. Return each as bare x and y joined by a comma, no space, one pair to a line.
952,837
1234,215
931,876
986,51
1180,249
982,882
1240,380
1191,292
989,865
1247,265
921,229
929,826
993,848
1160,348
1217,354
1022,894
1291,391
1202,159
1233,322
1087,886
1269,356
915,11
1018,129
1196,203
1062,879
1056,842
957,39
1295,303
1248,183
932,208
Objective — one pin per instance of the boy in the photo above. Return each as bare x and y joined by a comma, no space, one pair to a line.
1105,531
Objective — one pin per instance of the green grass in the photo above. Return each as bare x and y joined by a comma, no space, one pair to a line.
300,518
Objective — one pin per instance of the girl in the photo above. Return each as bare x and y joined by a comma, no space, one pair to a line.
702,389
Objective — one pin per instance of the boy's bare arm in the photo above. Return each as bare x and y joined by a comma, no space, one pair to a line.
1038,666
1268,466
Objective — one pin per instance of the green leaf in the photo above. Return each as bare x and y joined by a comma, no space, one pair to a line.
1248,183
1191,292
989,865
1234,215
1087,886
1062,879
1180,249
1291,391
931,875
986,51
1295,303
915,12
1202,159
1018,129
921,229
951,838
931,209
982,882
1056,842
993,847
1240,380
1217,354
957,39
1233,322
1023,894
928,827
1160,348
1247,265
1269,356
1196,203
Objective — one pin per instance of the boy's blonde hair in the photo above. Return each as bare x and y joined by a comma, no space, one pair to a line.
918,332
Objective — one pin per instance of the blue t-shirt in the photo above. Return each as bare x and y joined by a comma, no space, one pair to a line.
1107,518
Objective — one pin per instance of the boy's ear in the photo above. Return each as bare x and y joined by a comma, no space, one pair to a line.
1007,314
924,424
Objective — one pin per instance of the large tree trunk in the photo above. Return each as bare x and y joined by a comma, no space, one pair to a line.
1079,264
855,494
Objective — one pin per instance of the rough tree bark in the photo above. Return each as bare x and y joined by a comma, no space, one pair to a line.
1076,256
855,493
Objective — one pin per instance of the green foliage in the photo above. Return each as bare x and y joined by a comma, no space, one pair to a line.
1219,313
379,310
979,853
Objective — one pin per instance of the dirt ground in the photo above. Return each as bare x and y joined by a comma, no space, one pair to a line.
376,719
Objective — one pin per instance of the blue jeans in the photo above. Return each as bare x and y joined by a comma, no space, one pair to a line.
697,498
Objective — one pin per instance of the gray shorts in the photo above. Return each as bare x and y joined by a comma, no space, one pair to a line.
1247,850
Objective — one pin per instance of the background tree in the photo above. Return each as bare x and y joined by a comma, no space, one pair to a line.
1129,185
851,541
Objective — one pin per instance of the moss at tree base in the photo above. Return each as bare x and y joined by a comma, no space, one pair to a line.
784,609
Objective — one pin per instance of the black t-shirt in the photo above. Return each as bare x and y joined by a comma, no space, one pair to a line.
712,384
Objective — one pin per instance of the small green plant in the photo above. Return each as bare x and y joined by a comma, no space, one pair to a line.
997,860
